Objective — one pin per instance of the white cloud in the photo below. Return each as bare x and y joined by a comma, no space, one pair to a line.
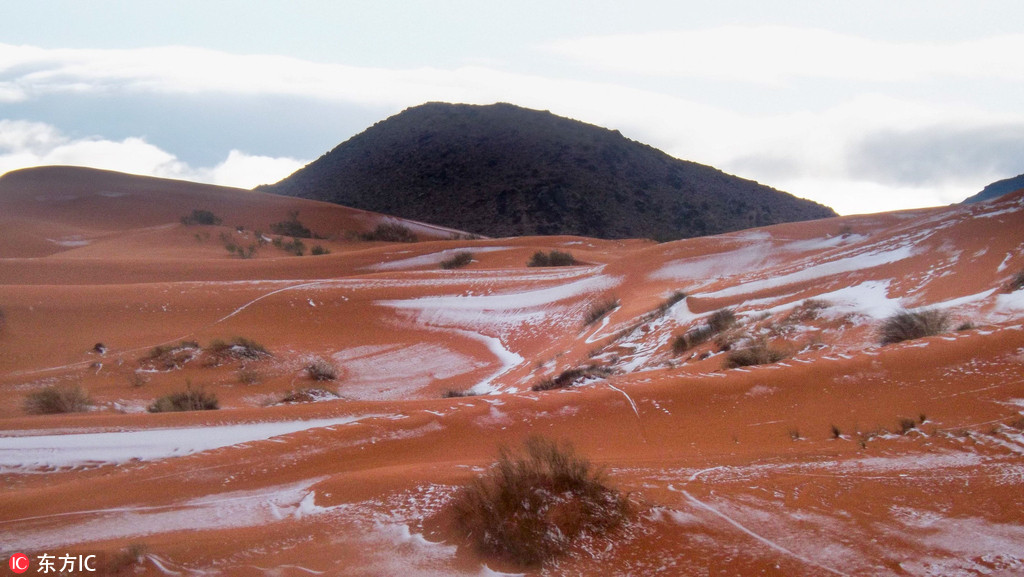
816,151
27,144
773,54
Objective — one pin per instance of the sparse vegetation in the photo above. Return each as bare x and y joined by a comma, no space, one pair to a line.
717,322
906,425
56,400
553,258
458,260
1016,283
669,302
201,217
291,227
758,353
599,309
794,434
457,393
908,325
322,370
319,250
571,377
188,400
390,232
721,320
308,395
836,433
238,348
532,505
294,246
170,357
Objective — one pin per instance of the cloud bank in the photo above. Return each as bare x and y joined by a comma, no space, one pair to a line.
859,124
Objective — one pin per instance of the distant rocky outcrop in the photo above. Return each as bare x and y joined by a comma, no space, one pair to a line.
503,170
997,189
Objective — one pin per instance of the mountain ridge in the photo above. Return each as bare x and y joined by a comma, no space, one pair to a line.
503,170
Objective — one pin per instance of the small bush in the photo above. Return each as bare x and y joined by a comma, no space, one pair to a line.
170,357
319,250
456,393
201,217
390,232
458,260
532,505
906,325
238,348
570,377
906,425
1016,283
291,227
836,433
322,370
759,353
599,309
721,320
691,338
188,400
554,258
308,395
672,299
294,246
57,400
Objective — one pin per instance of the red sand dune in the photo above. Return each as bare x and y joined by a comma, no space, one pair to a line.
844,458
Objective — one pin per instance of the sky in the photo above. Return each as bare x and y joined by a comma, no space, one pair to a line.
864,106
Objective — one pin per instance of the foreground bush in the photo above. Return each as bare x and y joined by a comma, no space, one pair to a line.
599,309
322,370
56,400
533,504
907,325
1016,283
554,258
188,400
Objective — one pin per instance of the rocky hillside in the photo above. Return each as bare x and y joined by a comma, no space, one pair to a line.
502,170
997,189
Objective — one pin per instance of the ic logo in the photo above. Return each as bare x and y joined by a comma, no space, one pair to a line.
19,563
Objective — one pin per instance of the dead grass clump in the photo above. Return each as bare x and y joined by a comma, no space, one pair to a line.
553,258
721,320
908,325
238,348
308,395
171,357
322,370
906,425
759,353
533,504
56,400
457,260
188,400
571,377
1016,283
390,232
599,309
691,338
457,393
202,217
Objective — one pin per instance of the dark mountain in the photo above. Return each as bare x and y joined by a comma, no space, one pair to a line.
997,189
502,170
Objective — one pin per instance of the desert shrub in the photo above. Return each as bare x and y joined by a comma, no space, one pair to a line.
759,353
672,299
906,425
56,400
170,357
721,320
554,258
319,250
239,348
203,217
457,393
390,232
908,325
322,370
188,400
836,433
533,504
250,376
599,309
691,338
308,395
294,246
457,260
570,377
1016,283
291,227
